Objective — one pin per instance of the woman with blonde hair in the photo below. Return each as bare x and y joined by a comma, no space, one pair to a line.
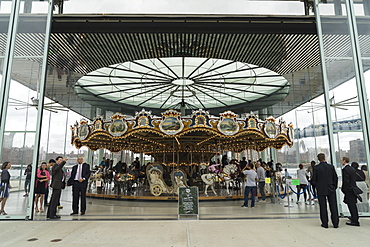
4,186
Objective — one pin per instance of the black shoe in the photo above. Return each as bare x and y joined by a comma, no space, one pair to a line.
352,224
55,217
336,226
325,226
73,213
243,206
83,213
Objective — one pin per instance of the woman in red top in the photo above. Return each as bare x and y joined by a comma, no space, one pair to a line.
42,180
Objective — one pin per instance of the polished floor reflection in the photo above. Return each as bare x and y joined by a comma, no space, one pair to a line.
100,209
108,209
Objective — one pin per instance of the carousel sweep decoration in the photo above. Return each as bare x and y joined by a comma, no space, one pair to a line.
154,172
183,140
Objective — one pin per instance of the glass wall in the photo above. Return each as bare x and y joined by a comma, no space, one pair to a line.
24,44
23,47
343,33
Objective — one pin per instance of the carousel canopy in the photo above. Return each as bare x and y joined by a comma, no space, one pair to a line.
189,82
198,133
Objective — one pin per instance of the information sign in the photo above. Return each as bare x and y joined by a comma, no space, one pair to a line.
188,201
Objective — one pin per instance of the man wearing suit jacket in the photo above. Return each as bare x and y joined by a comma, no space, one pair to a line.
348,185
57,177
79,179
326,181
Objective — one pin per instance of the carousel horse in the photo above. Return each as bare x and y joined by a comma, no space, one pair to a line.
122,181
225,176
96,179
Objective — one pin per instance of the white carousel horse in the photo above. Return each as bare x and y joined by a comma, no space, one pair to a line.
209,179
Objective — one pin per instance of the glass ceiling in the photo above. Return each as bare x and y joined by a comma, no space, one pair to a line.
172,82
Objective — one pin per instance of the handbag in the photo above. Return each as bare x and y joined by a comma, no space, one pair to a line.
357,192
63,185
2,190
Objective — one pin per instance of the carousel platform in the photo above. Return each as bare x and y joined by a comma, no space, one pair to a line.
161,198
144,195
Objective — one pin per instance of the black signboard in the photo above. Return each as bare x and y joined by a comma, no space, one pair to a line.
188,201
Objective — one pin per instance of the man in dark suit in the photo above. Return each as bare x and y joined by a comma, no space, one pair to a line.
326,181
348,185
79,179
57,177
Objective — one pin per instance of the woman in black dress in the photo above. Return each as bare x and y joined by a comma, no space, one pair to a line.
42,179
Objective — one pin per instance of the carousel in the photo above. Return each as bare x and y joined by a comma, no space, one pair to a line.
181,147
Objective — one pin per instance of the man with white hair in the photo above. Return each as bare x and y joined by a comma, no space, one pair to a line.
79,178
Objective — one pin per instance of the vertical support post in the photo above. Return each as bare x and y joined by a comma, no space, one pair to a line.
142,159
297,146
7,69
90,158
325,83
122,155
100,155
366,4
314,129
326,92
360,80
338,7
41,104
263,155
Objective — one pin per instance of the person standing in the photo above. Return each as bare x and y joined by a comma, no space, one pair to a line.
326,181
313,188
102,163
42,180
27,183
130,182
224,161
136,163
46,199
250,185
56,184
65,171
79,178
303,182
243,163
4,185
363,205
366,172
118,167
261,180
348,186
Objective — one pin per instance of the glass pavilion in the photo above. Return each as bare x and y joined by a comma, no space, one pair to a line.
304,61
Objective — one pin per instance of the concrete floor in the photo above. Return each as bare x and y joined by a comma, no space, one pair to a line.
195,233
133,223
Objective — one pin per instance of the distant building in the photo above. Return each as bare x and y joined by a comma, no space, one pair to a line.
357,151
8,140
